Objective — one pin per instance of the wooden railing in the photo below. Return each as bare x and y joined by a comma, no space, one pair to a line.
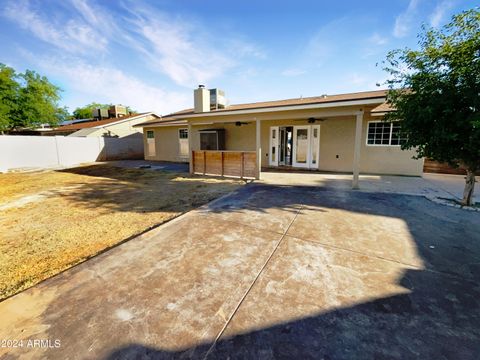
240,164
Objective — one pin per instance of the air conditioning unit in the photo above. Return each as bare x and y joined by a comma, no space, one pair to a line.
99,113
117,111
217,99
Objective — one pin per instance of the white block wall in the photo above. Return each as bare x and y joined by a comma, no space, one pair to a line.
46,151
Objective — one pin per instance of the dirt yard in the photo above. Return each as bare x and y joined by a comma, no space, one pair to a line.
53,220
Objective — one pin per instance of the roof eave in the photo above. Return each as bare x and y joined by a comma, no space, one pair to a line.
130,118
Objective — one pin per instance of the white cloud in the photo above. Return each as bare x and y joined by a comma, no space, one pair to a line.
293,72
111,85
175,51
183,50
377,39
73,35
439,12
403,22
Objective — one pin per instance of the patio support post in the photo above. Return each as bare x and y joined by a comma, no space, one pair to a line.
356,153
190,148
258,149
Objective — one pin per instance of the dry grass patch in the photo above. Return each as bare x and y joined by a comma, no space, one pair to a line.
53,220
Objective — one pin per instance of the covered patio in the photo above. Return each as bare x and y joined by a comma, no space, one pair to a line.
251,142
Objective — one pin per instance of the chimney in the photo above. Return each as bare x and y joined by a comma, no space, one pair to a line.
201,99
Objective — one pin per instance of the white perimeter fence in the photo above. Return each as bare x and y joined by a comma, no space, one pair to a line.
20,151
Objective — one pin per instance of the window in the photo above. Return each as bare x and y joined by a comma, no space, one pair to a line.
384,133
150,134
208,140
183,134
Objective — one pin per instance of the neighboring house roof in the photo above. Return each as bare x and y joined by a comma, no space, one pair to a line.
101,123
323,99
84,132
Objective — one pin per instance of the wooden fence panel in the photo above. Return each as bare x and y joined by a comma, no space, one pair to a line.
249,164
225,163
198,161
232,164
430,166
213,162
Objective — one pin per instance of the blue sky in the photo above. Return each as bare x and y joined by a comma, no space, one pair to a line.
151,54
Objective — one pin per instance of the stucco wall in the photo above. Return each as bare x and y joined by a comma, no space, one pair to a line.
387,159
167,147
241,138
167,143
337,138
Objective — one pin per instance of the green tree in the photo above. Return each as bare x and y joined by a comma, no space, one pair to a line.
435,94
8,96
27,100
37,101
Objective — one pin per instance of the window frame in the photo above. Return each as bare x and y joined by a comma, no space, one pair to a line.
389,137
150,131
180,131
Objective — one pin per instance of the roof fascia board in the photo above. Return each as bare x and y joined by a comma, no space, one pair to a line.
287,108
321,113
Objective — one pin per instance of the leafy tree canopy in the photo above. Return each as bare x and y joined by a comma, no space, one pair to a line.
435,93
9,88
27,100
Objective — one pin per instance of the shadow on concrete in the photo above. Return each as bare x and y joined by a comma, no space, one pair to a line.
438,316
438,319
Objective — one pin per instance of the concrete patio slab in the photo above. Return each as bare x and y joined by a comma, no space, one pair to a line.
174,290
270,272
314,303
452,184
256,208
430,185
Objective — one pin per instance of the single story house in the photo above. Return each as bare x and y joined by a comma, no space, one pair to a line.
335,133
119,127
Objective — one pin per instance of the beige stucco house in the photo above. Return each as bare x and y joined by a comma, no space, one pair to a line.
338,133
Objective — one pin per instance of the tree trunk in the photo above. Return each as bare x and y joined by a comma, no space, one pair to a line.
469,186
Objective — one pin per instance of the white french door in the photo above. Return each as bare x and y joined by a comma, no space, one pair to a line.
273,158
301,146
306,146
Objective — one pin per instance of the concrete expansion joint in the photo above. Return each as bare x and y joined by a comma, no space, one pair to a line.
253,283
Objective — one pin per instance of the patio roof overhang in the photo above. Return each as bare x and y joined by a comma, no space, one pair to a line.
317,109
